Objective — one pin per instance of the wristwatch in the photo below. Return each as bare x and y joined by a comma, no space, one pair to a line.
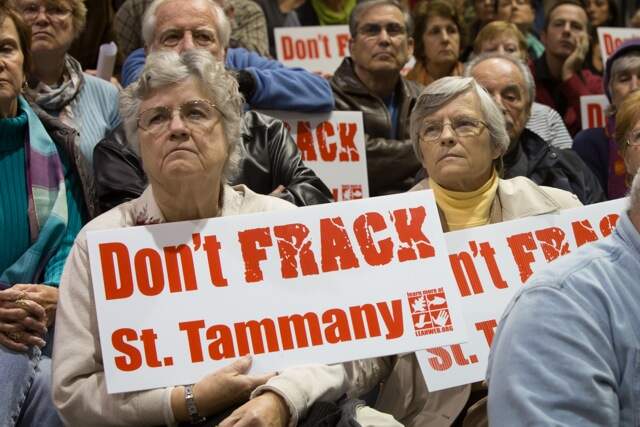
192,409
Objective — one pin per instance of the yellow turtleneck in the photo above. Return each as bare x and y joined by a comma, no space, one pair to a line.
465,209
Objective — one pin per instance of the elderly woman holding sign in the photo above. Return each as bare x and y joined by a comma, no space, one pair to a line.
459,135
183,116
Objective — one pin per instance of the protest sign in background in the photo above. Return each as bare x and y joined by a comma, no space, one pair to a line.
320,284
315,48
491,264
612,37
592,111
333,146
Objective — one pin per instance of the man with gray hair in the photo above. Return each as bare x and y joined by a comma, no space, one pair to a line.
566,349
202,24
370,81
511,85
270,162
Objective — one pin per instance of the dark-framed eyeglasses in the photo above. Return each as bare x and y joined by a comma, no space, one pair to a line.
196,114
31,10
462,127
393,29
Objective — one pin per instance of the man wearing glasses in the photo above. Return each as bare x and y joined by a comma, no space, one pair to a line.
511,85
370,81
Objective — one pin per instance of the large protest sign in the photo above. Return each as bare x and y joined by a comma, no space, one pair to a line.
321,284
315,48
333,146
612,37
491,264
592,111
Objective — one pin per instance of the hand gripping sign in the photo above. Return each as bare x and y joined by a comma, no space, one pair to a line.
490,265
319,49
333,146
321,284
612,37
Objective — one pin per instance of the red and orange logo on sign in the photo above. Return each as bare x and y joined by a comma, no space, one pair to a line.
429,311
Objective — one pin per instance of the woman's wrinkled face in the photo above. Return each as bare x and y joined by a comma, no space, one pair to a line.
454,162
441,41
598,11
181,135
631,152
51,24
11,62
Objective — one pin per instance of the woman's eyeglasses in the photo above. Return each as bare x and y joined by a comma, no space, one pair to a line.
462,127
30,11
198,113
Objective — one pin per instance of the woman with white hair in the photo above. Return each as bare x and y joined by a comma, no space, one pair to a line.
183,116
459,136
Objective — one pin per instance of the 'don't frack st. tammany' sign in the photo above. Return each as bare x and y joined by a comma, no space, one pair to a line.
320,284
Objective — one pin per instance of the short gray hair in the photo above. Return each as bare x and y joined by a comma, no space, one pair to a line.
222,24
166,68
446,89
520,65
363,6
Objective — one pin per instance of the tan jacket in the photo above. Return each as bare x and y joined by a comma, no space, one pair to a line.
79,389
404,393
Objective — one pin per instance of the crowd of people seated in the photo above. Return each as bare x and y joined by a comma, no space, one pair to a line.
477,100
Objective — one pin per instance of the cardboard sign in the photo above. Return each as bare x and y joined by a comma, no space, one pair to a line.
319,49
491,264
321,284
592,111
612,37
333,146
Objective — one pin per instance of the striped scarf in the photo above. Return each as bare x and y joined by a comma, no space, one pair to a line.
47,202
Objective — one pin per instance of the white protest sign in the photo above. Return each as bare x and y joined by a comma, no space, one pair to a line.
333,146
491,264
321,284
592,111
612,37
315,48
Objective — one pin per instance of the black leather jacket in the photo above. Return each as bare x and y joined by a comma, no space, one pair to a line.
549,166
268,158
391,162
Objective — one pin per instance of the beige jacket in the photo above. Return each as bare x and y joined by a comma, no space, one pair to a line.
79,390
404,394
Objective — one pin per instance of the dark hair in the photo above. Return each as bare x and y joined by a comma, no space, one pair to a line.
24,34
559,3
427,10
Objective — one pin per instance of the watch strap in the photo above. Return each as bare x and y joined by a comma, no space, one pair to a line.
192,409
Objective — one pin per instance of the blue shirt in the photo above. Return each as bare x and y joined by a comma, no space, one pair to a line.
277,87
567,351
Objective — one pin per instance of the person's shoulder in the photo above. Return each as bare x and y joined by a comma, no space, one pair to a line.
588,135
240,199
522,193
94,83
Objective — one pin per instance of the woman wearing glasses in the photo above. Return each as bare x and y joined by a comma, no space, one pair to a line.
41,211
183,116
57,84
459,135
